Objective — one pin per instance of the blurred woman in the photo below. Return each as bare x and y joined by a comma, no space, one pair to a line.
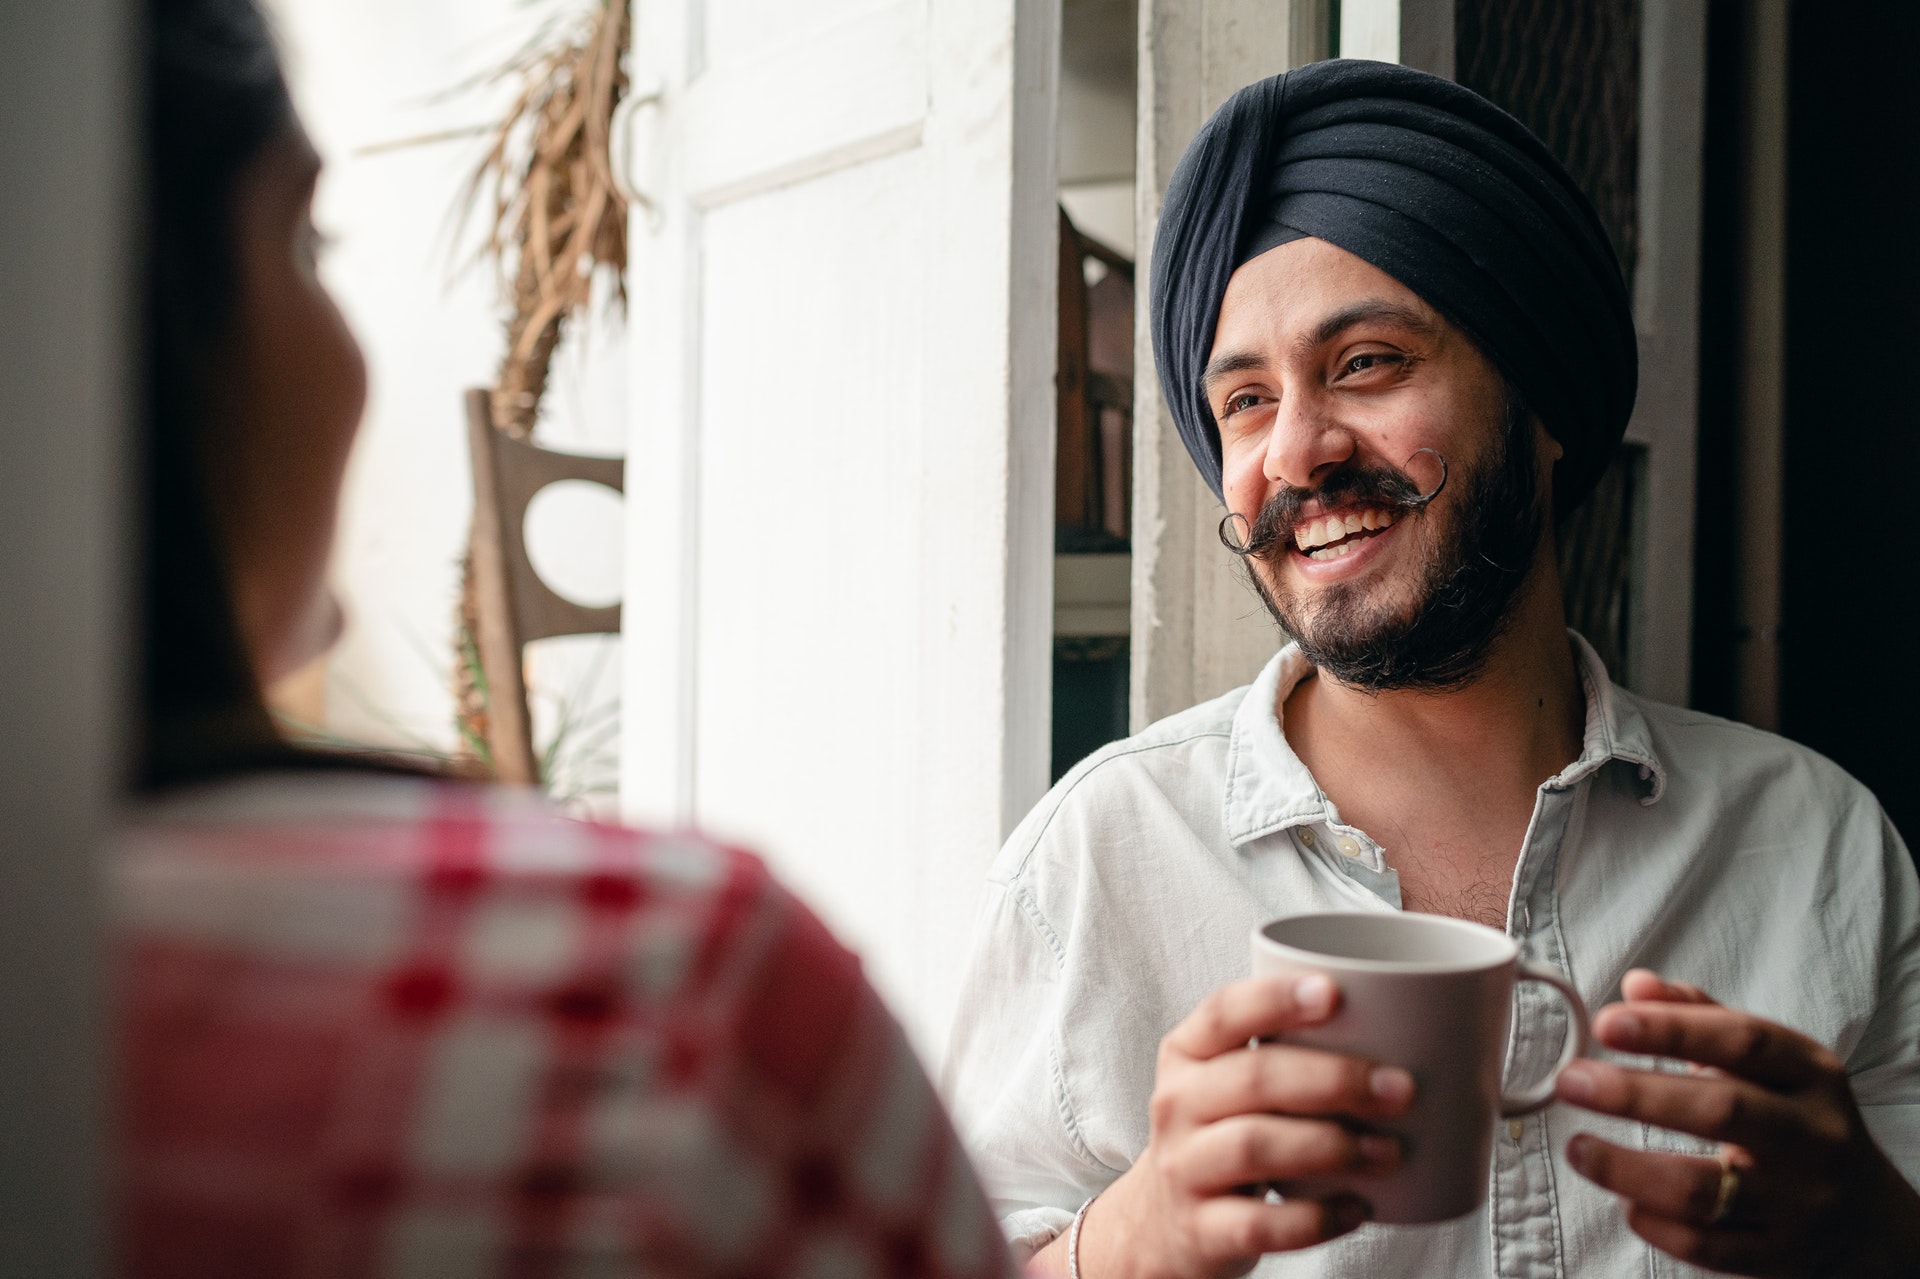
377,1022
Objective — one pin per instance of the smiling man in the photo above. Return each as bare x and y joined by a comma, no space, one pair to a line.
1396,343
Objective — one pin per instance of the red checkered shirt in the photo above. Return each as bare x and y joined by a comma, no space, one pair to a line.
379,1026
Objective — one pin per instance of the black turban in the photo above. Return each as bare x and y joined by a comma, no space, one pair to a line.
1437,187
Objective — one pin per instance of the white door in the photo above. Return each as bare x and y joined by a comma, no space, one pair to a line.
840,470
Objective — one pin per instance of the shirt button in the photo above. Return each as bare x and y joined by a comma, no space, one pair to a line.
1515,1128
1349,846
1306,837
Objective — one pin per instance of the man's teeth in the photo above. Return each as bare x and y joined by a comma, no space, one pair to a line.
1315,536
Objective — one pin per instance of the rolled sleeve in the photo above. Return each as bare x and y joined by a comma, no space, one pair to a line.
1028,1230
1002,1074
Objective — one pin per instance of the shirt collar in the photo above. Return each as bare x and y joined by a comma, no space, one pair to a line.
1269,789
1616,728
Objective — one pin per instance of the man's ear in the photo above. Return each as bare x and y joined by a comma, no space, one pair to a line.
1549,451
1544,443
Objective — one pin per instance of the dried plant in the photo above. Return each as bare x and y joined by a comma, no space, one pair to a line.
554,222
554,216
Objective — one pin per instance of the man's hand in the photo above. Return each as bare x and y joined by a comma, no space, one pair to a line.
1811,1193
1228,1118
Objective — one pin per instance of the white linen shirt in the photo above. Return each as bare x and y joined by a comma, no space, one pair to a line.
1710,851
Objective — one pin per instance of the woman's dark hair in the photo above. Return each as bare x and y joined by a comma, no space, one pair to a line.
216,100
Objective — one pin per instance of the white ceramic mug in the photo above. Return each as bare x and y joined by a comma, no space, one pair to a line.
1434,996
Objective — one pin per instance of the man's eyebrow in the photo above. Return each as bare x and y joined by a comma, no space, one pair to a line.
1231,362
1375,310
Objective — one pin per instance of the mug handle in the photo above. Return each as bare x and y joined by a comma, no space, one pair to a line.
1536,1098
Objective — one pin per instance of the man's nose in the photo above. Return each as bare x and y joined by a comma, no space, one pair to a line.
1303,442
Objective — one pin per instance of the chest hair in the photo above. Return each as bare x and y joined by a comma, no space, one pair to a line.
1481,900
1465,885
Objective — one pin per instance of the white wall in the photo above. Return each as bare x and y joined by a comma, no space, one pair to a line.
366,73
1370,29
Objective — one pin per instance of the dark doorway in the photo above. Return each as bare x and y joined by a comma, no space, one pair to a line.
1851,613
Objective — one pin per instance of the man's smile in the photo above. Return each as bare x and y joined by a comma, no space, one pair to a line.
1340,532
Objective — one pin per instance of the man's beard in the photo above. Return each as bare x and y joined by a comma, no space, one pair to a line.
1480,559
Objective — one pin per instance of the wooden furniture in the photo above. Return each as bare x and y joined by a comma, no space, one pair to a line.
514,606
1093,476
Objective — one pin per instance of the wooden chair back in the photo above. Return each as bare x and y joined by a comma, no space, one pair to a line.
514,606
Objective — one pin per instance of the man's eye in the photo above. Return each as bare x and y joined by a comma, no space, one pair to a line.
1240,403
1362,363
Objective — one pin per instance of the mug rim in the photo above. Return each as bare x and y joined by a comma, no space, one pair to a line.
1419,919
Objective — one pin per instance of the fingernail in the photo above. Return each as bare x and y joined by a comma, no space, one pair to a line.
1623,1028
1379,1150
1344,1214
1313,995
1579,1153
1576,1084
1391,1085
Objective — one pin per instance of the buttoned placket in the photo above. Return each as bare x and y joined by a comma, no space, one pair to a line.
1351,853
1523,1204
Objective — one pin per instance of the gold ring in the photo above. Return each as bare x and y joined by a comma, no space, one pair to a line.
1723,1201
